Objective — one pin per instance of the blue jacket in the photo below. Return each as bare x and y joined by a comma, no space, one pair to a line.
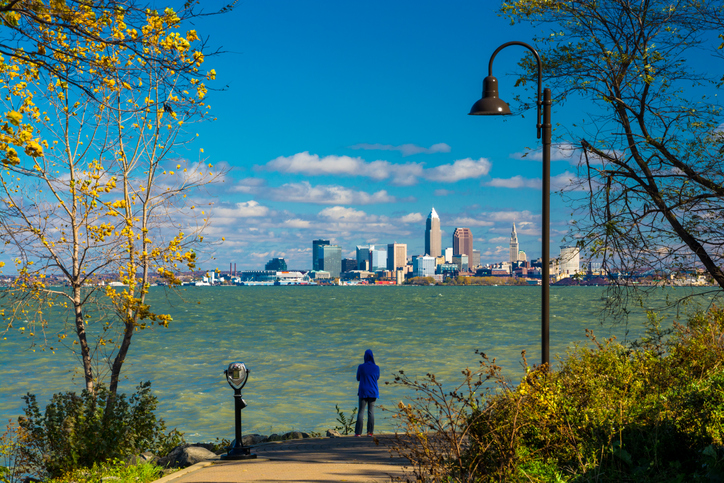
367,375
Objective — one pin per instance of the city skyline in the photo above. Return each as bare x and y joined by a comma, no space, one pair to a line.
346,122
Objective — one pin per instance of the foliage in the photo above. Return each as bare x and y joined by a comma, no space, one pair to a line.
650,412
347,423
420,281
649,189
113,470
77,431
90,187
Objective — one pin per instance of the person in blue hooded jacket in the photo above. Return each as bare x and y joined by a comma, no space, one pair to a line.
367,374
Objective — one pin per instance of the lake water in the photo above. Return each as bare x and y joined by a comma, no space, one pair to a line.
303,344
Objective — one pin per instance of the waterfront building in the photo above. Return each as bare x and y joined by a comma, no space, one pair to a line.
278,264
522,257
475,261
569,261
349,264
448,254
378,259
462,262
396,256
423,266
363,256
462,242
513,245
433,235
331,260
317,252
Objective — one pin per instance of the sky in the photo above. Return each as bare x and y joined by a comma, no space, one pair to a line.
348,121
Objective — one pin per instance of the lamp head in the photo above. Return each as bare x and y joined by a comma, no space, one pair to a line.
490,104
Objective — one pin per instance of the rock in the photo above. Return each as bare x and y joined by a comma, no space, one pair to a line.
292,435
275,437
186,455
146,457
252,439
306,435
333,433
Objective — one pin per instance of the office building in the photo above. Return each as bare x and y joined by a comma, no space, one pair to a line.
423,266
433,235
462,242
363,256
317,252
462,262
349,264
570,261
396,256
278,264
475,260
331,260
378,258
448,254
513,245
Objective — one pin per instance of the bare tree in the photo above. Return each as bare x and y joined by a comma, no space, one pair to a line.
650,144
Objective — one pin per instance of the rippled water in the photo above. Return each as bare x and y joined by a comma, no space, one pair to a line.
303,345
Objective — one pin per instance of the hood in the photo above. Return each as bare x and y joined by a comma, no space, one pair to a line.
369,357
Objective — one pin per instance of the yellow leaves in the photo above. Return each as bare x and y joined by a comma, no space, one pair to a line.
34,149
191,35
118,204
11,157
14,117
211,75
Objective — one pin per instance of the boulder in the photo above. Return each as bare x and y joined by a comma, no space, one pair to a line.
186,455
252,439
292,435
146,457
274,437
333,433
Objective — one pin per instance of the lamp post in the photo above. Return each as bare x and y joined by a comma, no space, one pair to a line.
491,104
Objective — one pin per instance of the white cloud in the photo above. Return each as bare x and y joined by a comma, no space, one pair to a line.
248,209
498,239
413,218
514,182
297,223
405,149
461,169
249,185
304,192
400,174
467,222
340,213
559,152
442,192
564,180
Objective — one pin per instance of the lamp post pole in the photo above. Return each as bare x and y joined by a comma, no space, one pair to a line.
491,104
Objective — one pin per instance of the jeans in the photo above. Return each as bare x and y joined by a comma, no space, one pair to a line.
370,403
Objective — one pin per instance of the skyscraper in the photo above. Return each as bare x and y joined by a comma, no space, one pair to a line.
363,256
317,252
513,245
330,260
396,256
463,242
433,237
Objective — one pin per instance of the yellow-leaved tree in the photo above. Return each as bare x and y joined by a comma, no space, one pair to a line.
90,183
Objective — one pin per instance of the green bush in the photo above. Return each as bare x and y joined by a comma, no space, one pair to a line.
652,411
78,431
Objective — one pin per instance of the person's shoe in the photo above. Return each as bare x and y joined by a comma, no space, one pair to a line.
369,434
357,435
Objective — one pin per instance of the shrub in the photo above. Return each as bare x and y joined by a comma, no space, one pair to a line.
652,411
78,431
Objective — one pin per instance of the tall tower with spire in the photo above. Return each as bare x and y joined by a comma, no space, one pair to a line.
514,245
433,236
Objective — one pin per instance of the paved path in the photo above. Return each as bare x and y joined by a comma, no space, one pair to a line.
318,460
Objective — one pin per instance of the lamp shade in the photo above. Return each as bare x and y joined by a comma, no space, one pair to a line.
490,104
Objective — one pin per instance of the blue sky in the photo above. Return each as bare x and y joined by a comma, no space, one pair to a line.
348,121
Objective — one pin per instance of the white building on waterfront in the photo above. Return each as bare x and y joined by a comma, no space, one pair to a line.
423,266
569,261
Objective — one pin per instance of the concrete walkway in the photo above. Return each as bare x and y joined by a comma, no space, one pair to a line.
319,460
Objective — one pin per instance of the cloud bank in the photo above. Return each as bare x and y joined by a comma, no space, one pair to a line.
405,149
